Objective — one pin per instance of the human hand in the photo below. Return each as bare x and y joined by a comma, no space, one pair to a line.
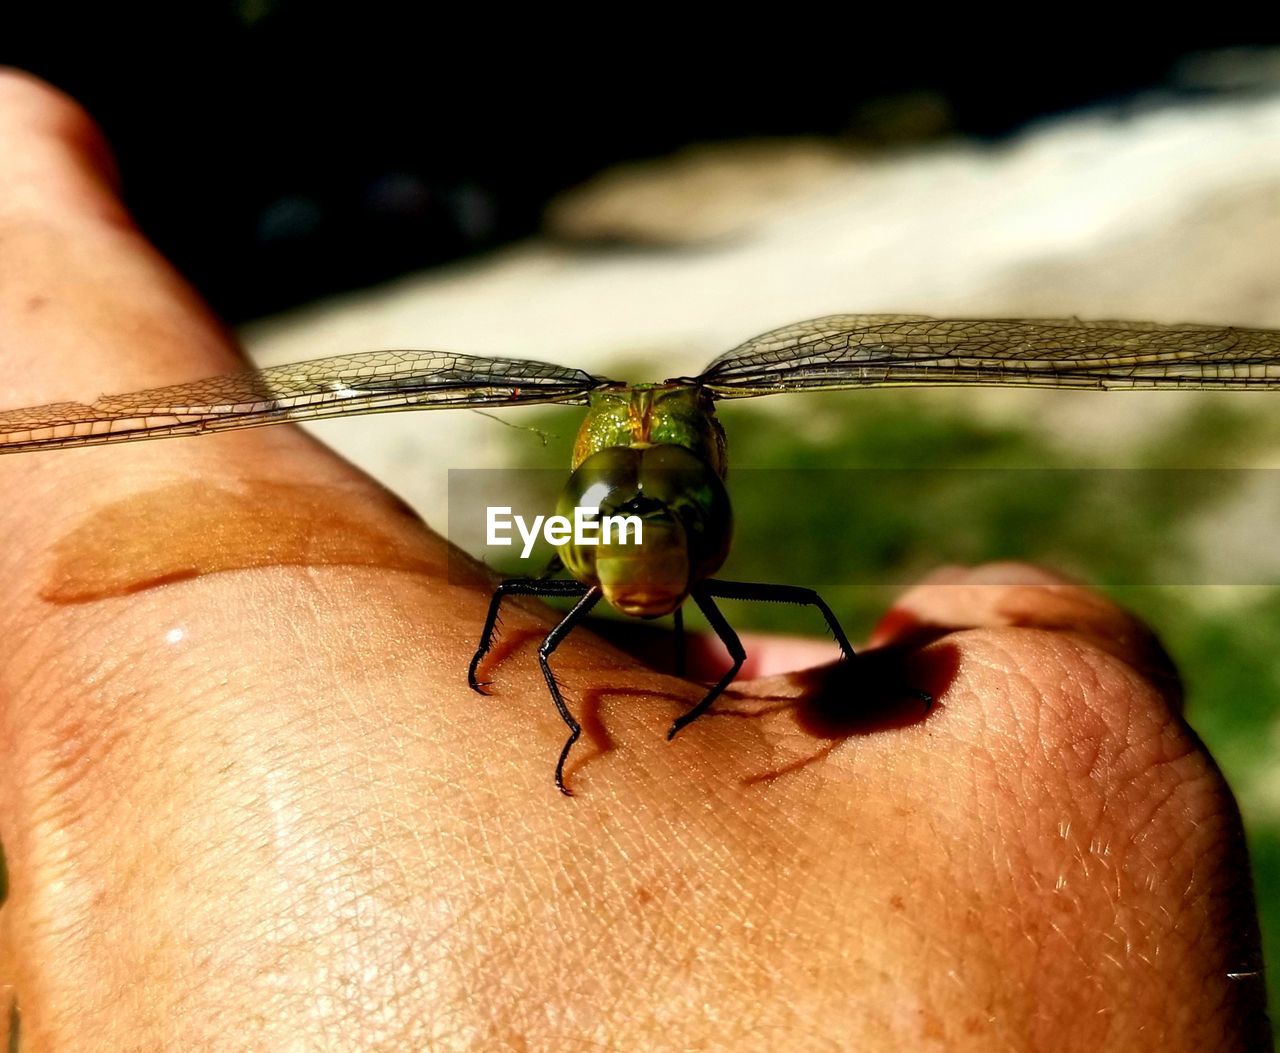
249,802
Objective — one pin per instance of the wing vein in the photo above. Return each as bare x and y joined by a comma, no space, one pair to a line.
372,382
851,351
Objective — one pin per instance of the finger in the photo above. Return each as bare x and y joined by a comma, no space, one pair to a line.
1018,595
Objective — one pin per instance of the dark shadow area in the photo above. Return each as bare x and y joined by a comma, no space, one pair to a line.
874,693
654,644
590,703
505,644
1139,647
280,151
14,1020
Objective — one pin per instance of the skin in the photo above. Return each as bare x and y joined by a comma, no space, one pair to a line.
258,808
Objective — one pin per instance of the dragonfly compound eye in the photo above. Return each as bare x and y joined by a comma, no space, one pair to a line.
664,524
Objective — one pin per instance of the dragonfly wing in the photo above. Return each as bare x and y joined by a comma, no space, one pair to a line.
372,382
854,351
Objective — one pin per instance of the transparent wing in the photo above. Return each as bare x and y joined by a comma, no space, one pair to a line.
372,382
853,351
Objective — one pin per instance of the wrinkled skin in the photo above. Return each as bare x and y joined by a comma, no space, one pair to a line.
295,827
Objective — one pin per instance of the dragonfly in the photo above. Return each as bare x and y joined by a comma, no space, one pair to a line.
657,451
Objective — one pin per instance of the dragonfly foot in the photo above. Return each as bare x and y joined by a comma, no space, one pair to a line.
676,726
564,756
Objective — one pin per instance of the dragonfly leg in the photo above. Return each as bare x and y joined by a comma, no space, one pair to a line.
678,618
750,590
580,610
514,587
754,590
736,651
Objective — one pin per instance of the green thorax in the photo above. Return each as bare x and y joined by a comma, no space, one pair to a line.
642,415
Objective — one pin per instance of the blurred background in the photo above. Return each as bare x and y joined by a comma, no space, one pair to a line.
635,199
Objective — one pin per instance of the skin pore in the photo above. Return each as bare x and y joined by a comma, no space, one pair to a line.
248,801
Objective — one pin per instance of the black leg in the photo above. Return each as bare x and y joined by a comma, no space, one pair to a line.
580,610
678,618
752,590
730,639
515,587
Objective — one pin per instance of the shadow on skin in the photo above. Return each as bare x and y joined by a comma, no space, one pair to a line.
506,644
874,693
878,691
1127,639
594,731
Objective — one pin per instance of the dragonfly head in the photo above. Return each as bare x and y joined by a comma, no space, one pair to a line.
668,526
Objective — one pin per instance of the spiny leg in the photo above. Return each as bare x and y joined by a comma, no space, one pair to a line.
678,618
514,587
580,610
731,642
754,590
751,590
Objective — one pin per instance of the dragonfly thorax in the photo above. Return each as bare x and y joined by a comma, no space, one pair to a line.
639,415
680,509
